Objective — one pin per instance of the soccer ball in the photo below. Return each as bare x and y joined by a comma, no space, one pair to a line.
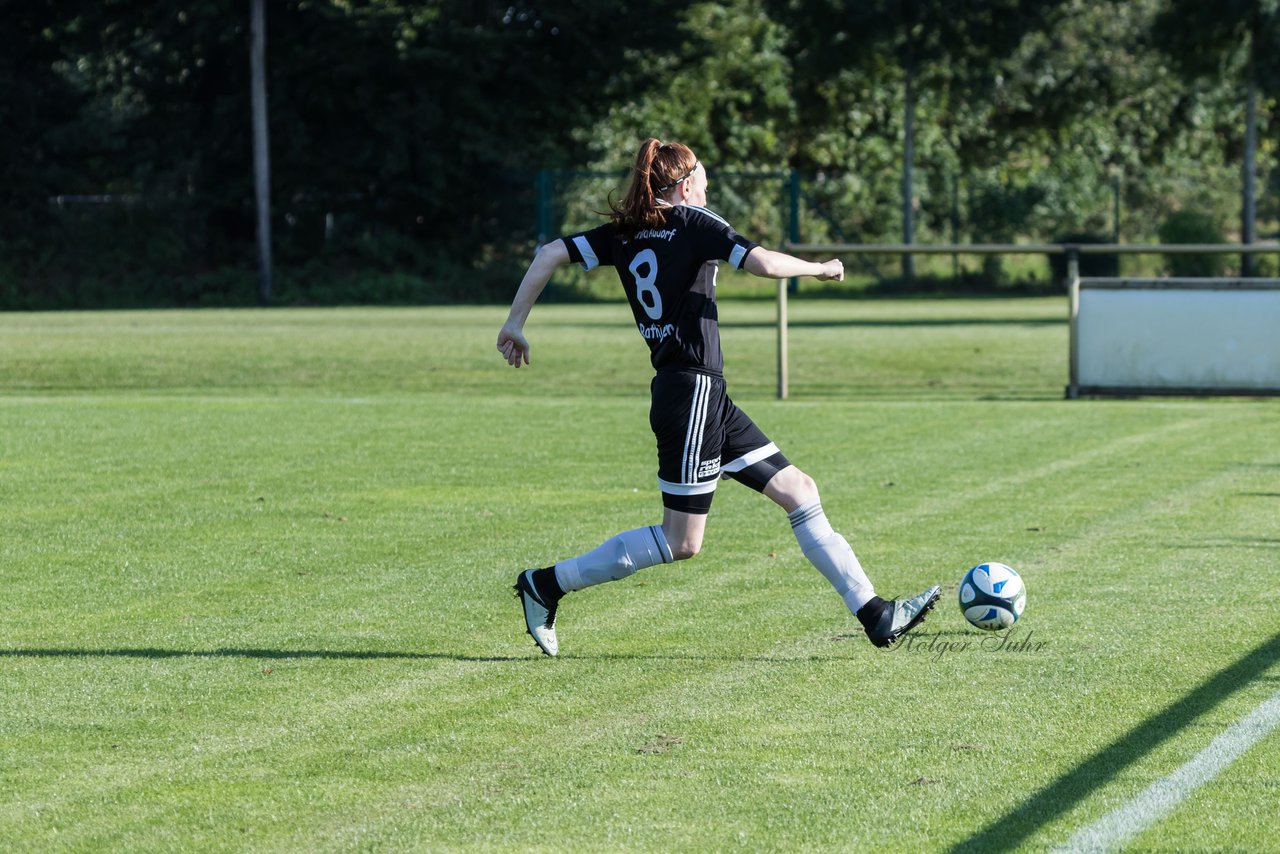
992,596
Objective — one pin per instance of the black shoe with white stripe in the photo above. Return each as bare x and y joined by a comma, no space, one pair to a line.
539,615
885,622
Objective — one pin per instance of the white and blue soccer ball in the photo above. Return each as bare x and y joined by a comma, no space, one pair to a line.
992,596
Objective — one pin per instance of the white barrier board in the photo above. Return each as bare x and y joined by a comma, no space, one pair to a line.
1175,336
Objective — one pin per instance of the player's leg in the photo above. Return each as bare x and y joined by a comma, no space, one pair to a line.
679,537
884,621
685,417
622,555
686,429
828,551
684,532
760,465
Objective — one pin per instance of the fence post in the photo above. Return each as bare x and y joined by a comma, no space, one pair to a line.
782,341
1249,169
793,225
1115,209
955,228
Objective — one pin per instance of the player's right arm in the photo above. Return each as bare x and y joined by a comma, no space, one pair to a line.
512,344
779,265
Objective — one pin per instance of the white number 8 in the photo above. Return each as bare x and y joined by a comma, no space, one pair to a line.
646,292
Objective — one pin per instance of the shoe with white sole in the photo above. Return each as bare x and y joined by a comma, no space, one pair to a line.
901,616
539,617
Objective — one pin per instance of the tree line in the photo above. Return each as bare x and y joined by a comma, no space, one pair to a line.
405,137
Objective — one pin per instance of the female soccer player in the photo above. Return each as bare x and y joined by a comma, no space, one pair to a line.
666,247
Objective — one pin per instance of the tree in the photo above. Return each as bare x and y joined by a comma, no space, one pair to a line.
1239,40
423,120
48,142
929,45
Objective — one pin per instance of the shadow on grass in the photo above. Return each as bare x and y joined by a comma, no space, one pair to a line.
1230,543
1013,828
237,652
373,655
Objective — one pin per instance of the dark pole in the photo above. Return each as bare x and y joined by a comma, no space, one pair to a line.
261,156
1248,208
1115,208
793,225
955,227
908,155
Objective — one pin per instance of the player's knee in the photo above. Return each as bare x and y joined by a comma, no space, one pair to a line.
791,487
805,488
686,548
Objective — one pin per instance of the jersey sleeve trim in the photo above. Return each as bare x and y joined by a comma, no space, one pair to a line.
711,214
588,255
740,246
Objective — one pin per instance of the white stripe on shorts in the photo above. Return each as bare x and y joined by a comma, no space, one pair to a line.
687,488
702,428
697,424
751,458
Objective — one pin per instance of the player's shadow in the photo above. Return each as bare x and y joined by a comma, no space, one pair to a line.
1013,828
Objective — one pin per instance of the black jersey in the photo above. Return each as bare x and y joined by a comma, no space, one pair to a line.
669,275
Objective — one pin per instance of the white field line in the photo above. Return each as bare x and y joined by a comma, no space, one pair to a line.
1125,822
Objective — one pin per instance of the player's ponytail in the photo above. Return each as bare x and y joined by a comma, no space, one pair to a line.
659,167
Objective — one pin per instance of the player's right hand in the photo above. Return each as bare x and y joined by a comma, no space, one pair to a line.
832,270
513,346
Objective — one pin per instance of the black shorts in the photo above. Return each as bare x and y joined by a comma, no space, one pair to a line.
703,436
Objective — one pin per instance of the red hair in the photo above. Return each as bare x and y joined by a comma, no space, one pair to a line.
659,167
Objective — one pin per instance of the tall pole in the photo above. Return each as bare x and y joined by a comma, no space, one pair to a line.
908,155
793,220
1248,211
784,380
1115,208
261,156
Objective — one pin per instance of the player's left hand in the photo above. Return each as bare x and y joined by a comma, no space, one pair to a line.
832,271
513,346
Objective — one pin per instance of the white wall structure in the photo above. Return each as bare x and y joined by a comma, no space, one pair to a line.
1175,336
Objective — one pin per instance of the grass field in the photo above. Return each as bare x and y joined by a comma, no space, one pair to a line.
256,572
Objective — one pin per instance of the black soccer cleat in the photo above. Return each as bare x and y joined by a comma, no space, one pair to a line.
539,617
900,616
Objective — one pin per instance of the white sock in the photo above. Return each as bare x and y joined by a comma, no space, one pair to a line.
831,554
616,558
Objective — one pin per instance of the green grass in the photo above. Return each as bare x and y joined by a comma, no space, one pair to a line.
256,567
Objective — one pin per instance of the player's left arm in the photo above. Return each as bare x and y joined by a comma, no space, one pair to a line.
769,264
725,243
512,344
